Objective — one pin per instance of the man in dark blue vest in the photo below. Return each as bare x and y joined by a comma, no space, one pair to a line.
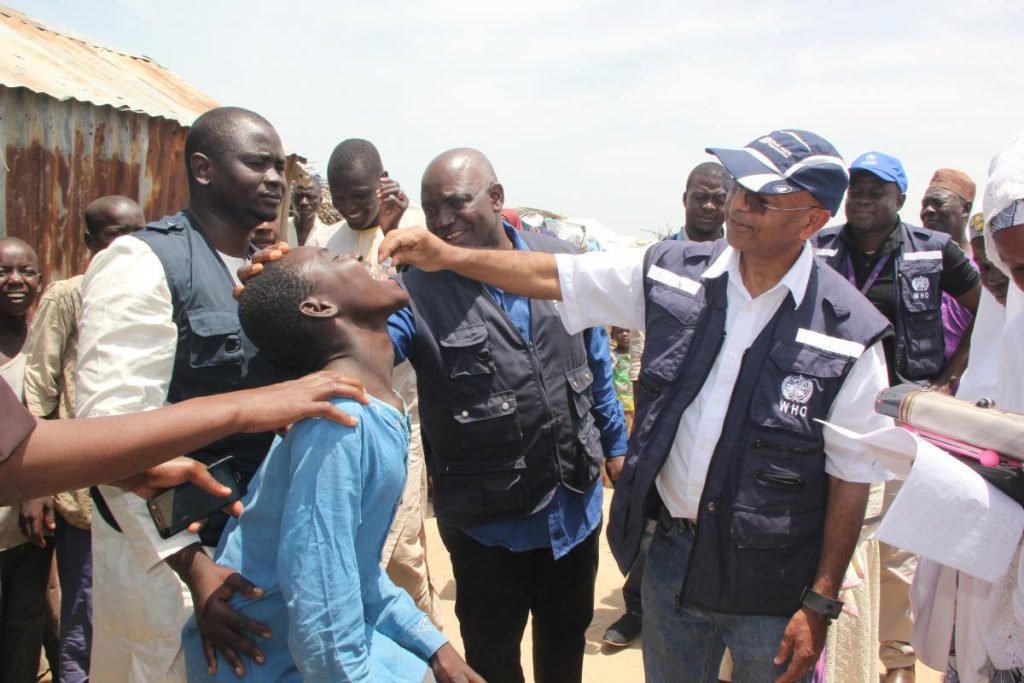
904,270
704,209
750,340
517,416
159,324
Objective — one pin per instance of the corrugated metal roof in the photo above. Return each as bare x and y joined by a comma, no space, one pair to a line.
66,66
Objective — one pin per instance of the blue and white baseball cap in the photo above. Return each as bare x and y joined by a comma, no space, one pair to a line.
886,167
785,161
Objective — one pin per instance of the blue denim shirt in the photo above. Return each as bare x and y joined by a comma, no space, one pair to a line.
570,517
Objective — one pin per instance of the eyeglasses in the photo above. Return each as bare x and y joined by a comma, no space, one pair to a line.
757,204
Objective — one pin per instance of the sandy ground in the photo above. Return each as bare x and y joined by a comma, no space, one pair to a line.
601,664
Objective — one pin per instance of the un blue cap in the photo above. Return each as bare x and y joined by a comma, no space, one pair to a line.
886,167
785,161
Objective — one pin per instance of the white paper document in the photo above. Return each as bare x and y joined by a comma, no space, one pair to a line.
945,511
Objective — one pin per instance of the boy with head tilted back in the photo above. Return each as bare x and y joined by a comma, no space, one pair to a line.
320,505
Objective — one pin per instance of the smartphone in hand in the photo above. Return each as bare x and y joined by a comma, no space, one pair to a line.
174,509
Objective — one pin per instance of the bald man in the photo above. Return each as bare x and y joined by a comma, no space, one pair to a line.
159,325
51,355
517,415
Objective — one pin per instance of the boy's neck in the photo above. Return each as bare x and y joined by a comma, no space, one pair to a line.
366,363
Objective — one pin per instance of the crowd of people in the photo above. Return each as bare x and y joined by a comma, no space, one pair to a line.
452,361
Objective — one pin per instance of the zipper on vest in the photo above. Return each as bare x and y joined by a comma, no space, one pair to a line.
790,481
761,443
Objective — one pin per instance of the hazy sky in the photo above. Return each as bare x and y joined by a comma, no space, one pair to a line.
596,109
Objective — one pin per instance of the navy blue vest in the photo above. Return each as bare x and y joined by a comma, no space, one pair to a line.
213,354
504,421
763,504
920,339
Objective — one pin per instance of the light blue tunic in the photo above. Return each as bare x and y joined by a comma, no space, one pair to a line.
315,521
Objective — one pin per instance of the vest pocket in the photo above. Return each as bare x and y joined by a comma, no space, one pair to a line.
482,487
466,351
580,380
797,385
919,285
781,477
773,557
925,342
488,421
216,338
753,530
671,321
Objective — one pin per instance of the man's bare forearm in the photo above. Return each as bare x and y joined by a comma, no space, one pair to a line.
526,273
61,455
844,518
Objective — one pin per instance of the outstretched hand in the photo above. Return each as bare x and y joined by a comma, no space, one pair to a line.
416,247
279,405
180,470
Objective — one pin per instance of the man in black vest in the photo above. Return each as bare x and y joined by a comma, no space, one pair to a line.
756,521
159,324
517,416
903,270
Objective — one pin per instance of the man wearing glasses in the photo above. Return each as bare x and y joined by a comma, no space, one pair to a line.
749,341
704,206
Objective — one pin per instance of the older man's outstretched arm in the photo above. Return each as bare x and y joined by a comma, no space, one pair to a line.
527,273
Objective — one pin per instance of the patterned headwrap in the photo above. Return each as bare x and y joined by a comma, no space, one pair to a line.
976,227
1008,217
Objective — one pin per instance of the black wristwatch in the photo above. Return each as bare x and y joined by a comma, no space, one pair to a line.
819,604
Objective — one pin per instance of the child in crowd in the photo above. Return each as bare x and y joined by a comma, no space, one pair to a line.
320,506
620,372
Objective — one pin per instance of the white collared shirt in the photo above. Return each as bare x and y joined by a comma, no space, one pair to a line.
126,345
607,288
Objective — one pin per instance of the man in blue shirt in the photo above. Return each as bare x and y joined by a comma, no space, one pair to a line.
516,417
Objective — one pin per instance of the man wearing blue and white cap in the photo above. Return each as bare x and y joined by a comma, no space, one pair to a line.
756,522
902,270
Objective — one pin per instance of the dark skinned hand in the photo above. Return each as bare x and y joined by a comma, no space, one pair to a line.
35,520
801,645
449,667
393,203
221,627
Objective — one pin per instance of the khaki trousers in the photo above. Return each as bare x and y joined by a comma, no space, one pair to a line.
404,556
895,622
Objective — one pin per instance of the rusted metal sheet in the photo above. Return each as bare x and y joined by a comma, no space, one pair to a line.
68,66
60,155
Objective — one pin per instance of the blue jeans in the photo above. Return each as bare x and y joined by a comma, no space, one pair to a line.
686,645
74,566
